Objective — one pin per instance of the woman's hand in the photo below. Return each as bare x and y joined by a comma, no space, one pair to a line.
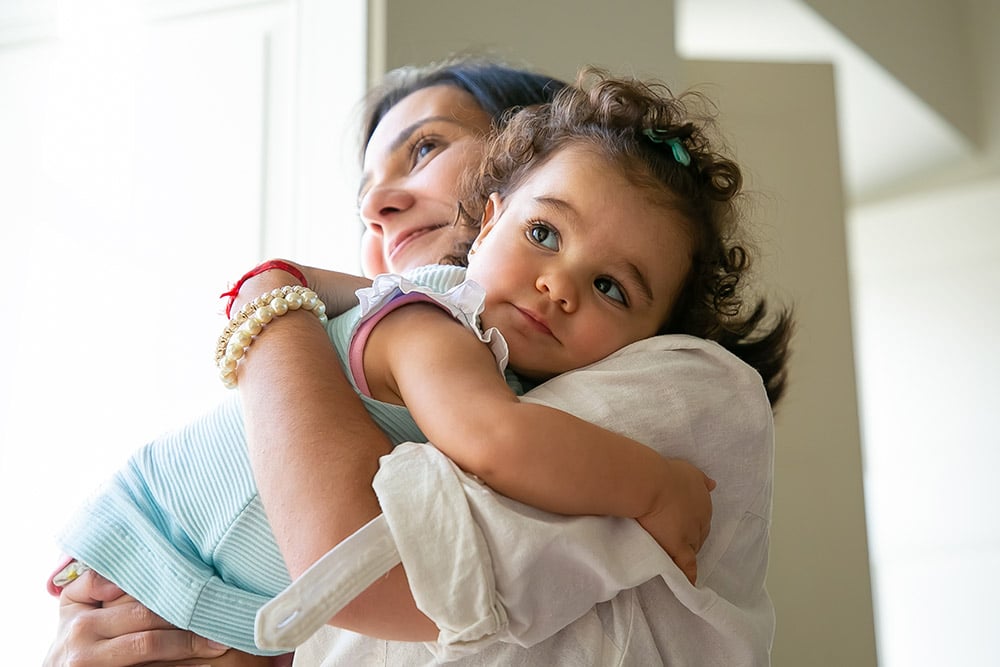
100,626
682,514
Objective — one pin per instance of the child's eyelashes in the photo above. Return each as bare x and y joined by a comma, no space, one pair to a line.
611,289
543,235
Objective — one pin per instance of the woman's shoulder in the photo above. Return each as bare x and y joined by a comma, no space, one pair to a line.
680,343
674,361
674,358
669,390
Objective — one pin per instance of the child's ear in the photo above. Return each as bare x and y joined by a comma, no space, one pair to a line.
491,213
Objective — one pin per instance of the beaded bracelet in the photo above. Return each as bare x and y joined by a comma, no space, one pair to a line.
257,270
250,321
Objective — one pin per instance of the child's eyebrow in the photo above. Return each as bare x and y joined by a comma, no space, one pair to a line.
640,281
562,205
637,277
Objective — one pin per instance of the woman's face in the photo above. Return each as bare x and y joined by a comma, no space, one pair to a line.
408,198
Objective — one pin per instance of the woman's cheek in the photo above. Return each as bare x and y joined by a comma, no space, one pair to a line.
372,258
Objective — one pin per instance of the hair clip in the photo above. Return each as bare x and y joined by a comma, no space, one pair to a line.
676,147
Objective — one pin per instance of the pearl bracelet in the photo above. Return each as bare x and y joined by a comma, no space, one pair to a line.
250,321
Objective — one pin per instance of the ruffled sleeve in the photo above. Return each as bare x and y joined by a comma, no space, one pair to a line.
464,302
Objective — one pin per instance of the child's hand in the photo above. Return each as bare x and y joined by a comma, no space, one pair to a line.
682,514
335,289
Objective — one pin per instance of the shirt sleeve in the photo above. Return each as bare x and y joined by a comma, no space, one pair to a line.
463,300
487,568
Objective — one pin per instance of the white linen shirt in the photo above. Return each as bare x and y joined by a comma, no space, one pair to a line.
509,584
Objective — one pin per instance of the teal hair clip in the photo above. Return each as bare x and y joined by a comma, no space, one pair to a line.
676,147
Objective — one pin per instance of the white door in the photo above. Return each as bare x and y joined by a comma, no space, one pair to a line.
150,152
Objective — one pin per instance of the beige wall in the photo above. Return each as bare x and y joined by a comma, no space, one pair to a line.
783,122
780,118
555,36
891,31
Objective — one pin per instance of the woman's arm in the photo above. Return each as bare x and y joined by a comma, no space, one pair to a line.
537,455
100,626
314,451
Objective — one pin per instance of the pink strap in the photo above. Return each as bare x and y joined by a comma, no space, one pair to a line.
356,349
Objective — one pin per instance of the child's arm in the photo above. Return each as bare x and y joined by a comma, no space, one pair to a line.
335,288
538,455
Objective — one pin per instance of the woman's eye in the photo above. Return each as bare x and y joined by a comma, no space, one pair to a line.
544,236
423,149
611,289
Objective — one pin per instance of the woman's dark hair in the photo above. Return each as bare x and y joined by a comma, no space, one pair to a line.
664,149
498,88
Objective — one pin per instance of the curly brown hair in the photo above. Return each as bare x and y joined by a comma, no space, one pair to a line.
665,149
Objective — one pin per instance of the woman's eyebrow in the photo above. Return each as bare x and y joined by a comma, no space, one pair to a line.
404,136
408,131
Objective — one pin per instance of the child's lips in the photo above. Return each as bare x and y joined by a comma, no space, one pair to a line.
536,321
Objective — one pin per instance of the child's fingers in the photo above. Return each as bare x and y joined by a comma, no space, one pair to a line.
688,563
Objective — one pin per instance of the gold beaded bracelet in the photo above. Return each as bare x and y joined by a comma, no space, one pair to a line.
250,321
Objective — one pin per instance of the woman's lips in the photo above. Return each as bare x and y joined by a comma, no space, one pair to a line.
400,243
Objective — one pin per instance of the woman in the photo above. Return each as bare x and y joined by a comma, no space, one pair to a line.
403,210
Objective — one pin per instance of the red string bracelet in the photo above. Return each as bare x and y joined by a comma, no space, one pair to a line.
261,268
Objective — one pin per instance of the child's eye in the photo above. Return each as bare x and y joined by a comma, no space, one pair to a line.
611,289
544,236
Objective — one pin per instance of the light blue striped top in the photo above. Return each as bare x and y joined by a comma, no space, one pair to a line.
181,527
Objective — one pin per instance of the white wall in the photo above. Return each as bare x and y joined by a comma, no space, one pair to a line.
924,276
149,154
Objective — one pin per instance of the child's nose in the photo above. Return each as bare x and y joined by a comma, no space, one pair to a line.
558,287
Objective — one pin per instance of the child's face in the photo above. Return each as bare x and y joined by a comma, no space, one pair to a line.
576,264
408,198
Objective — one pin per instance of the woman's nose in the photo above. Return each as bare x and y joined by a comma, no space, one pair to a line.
381,204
